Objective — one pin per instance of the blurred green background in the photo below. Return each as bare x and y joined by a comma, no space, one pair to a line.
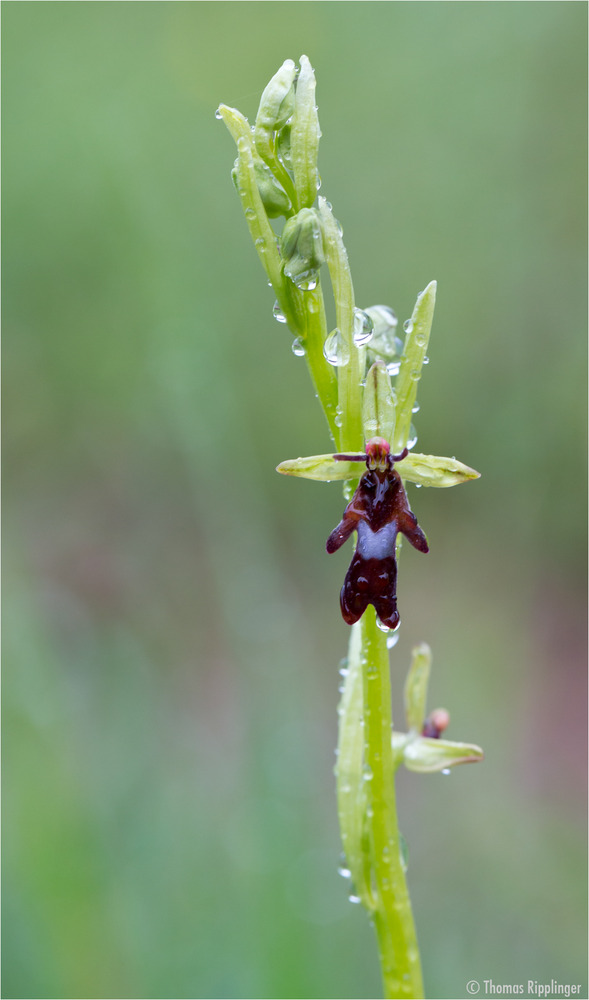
173,631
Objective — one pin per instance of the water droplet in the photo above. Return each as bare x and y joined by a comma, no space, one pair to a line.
278,313
318,182
353,898
415,408
383,628
393,638
343,870
250,214
335,349
393,368
306,281
367,773
412,437
363,328
408,326
218,114
420,339
259,242
297,347
426,360
446,770
338,419
415,375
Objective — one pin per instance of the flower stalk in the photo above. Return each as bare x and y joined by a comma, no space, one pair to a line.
366,381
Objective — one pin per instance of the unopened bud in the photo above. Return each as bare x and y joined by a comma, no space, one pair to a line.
278,100
301,246
274,197
436,723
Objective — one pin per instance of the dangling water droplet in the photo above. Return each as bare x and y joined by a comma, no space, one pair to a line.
278,313
393,638
353,898
348,490
335,349
318,182
408,326
412,437
446,770
415,408
297,348
218,114
344,872
383,628
363,328
425,360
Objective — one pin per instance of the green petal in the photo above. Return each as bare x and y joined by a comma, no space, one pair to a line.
321,467
433,470
426,755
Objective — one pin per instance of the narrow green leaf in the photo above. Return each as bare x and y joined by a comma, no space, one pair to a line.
349,388
304,137
378,410
416,341
433,470
351,787
236,123
260,229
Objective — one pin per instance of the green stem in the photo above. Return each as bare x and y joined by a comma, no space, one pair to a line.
393,918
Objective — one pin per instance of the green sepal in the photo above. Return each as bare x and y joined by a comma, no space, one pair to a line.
378,408
435,470
323,468
425,470
415,694
416,341
428,755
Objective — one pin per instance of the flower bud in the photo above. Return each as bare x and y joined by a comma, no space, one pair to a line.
436,723
274,197
278,100
301,246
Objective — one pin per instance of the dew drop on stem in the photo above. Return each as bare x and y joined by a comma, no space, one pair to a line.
363,328
278,313
335,349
